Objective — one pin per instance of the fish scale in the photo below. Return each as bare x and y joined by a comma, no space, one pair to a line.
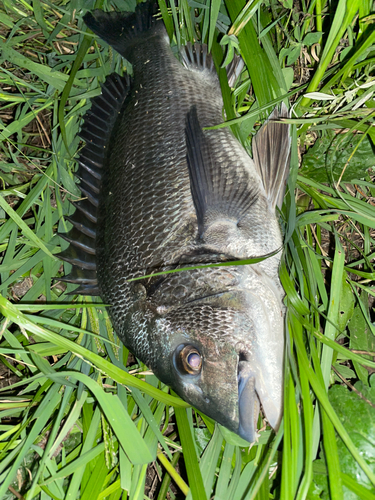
162,193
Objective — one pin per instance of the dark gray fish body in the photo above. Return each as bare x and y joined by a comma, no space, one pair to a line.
172,195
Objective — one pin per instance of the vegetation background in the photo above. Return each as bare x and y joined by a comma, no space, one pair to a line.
80,417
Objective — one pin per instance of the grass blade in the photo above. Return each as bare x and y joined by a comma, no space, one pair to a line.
197,489
25,228
265,86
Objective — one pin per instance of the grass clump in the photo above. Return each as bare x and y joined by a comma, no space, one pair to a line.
80,417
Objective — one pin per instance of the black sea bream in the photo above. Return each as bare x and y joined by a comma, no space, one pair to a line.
162,194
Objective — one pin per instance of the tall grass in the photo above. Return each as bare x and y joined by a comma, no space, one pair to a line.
80,418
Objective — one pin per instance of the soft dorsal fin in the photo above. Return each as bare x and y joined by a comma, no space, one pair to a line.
96,131
216,195
271,152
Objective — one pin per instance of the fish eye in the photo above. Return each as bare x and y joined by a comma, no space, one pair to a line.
189,359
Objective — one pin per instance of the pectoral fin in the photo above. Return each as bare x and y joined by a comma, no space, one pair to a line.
217,195
271,152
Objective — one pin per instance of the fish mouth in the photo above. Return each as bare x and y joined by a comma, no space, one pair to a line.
252,395
248,402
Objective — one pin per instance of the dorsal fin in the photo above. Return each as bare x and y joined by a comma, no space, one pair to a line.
96,132
271,152
214,195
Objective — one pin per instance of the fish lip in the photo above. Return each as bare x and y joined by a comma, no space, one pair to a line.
248,402
251,397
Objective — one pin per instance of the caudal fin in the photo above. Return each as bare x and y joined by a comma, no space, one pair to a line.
121,29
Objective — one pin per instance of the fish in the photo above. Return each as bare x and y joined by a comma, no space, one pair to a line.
162,193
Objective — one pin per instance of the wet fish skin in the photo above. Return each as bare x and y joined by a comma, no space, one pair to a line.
156,212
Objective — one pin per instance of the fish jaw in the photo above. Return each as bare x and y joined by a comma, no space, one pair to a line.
263,358
254,390
248,403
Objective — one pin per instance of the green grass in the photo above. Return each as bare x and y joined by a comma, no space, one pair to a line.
82,419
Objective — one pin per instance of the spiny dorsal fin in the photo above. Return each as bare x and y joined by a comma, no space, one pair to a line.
215,195
121,29
96,132
271,152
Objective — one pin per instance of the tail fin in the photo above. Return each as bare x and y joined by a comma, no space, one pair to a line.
121,29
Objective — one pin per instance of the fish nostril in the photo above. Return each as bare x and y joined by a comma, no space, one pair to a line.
243,356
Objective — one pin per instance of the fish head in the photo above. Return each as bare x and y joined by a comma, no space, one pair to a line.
223,354
198,365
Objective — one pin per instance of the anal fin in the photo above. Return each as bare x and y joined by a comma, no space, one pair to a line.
196,57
